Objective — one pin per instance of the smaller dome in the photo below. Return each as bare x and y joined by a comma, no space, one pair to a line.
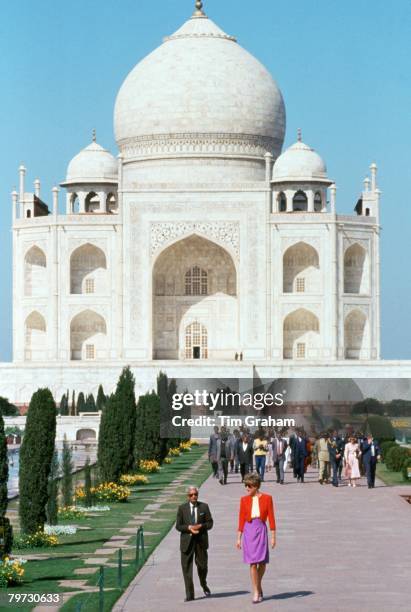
92,165
299,162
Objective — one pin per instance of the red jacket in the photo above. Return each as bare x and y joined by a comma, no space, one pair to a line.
266,510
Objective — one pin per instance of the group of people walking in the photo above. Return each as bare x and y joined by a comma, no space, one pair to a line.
241,452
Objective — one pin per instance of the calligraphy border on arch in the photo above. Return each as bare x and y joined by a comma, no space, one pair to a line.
224,232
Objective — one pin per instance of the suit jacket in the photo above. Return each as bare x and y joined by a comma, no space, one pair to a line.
300,449
282,456
366,451
184,520
212,446
266,510
229,449
247,455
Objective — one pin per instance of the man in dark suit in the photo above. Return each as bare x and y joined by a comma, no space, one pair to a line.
300,453
193,522
371,452
279,448
244,452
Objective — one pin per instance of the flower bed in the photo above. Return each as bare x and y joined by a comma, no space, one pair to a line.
110,491
71,512
185,447
40,539
133,479
11,572
149,466
60,529
174,452
167,460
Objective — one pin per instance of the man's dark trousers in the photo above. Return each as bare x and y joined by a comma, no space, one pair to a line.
334,467
201,559
370,468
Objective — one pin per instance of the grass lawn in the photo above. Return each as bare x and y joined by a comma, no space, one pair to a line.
58,563
391,478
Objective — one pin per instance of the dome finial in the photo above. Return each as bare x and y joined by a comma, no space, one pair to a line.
299,135
199,9
94,134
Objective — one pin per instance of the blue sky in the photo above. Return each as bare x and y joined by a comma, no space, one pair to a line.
343,68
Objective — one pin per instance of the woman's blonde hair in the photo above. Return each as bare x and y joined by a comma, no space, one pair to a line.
253,479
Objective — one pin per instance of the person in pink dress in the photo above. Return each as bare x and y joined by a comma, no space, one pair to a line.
352,468
255,509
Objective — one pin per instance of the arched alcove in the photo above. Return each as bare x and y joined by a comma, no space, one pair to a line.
282,202
88,270
301,335
35,337
35,273
88,336
193,279
356,270
92,202
196,341
355,334
301,269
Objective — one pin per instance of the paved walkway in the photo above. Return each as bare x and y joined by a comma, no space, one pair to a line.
337,549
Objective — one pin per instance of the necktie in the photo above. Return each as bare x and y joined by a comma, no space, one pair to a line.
193,515
279,447
372,450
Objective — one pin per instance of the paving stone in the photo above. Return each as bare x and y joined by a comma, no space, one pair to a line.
96,561
85,570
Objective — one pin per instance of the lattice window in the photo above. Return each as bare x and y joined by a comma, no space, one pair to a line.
300,285
90,285
196,338
300,350
196,281
90,351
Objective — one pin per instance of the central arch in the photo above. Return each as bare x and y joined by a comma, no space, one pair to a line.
194,280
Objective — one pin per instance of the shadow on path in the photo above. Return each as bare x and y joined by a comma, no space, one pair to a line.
290,595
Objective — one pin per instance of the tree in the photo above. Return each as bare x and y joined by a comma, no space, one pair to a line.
87,484
73,404
64,406
67,474
52,506
117,429
101,399
81,403
7,409
35,460
369,405
4,470
147,442
90,403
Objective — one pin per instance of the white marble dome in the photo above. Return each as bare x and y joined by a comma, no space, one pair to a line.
94,164
200,81
299,162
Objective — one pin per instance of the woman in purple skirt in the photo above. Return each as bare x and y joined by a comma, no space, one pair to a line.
255,509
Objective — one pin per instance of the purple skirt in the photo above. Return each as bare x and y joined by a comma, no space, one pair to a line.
255,542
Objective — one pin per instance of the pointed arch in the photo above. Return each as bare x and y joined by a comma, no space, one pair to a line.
35,272
356,270
300,202
88,336
301,269
35,337
88,270
194,277
355,334
301,334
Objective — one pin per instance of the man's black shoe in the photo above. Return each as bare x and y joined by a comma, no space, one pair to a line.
189,599
221,481
207,591
278,481
281,481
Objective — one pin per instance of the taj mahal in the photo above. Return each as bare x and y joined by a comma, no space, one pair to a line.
202,248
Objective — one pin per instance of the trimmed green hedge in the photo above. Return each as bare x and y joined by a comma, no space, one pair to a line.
396,457
385,447
381,428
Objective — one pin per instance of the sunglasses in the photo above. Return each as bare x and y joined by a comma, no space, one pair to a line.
249,486
193,495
